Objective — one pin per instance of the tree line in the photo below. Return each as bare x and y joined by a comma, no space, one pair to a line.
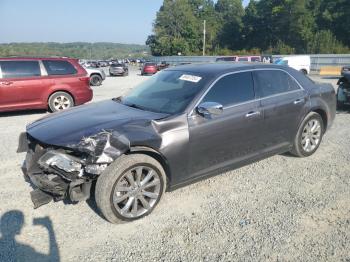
264,26
76,50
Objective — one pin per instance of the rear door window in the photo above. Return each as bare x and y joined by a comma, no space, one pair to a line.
59,67
274,82
232,89
20,69
243,59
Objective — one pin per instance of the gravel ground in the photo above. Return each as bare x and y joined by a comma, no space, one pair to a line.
279,209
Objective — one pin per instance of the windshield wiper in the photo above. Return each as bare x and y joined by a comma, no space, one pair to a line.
117,99
135,106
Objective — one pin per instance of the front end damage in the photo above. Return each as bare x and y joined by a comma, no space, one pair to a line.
59,173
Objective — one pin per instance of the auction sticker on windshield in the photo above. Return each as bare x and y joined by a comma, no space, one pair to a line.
190,78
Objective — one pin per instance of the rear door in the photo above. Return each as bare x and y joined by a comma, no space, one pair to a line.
62,73
283,103
21,84
234,135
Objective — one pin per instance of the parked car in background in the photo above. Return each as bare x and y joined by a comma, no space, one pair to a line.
118,70
343,92
149,69
249,59
163,65
301,63
182,125
102,63
227,59
97,76
93,64
345,71
41,83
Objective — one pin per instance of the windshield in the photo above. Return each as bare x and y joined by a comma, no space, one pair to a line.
166,92
281,62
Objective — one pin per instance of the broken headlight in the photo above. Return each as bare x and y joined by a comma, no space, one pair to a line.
61,161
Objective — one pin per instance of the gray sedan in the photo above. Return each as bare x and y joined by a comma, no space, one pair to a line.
182,125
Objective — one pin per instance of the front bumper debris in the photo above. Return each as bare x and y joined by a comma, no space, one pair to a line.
40,198
50,183
57,174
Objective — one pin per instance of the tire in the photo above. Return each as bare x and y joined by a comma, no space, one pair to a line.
305,143
126,73
303,71
108,198
60,101
340,104
95,80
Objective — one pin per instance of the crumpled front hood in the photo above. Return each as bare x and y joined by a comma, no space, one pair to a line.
69,127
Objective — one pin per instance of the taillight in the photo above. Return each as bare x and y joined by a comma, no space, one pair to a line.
85,79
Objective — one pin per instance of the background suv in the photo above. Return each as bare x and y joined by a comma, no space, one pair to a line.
41,83
97,76
118,70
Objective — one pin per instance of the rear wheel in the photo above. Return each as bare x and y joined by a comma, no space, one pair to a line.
303,71
130,188
60,101
95,80
309,135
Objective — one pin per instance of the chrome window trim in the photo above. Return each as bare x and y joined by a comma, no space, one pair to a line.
42,68
250,101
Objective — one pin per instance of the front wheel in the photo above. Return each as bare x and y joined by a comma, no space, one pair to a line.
309,135
130,188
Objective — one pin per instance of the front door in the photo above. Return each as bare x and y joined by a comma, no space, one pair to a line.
21,84
231,137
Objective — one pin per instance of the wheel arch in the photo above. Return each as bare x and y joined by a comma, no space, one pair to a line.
154,154
323,115
95,73
60,90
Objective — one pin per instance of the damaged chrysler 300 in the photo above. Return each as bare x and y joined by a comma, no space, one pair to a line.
180,126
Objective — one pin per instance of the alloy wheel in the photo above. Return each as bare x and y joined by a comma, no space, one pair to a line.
311,136
61,102
136,192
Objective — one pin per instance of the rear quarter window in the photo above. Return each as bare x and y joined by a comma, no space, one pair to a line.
20,69
59,67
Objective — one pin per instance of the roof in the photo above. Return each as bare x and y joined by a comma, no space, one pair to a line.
221,68
35,58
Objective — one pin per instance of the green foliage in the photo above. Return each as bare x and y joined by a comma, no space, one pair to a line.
76,50
175,29
324,42
271,26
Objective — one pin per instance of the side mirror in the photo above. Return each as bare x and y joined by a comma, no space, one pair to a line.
210,108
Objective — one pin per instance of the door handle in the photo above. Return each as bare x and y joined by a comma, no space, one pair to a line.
298,101
5,83
252,114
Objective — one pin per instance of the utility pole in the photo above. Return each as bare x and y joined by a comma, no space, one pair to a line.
204,34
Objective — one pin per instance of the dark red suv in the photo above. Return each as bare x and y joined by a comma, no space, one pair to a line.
41,83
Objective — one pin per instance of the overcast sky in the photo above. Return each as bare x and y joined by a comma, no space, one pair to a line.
117,21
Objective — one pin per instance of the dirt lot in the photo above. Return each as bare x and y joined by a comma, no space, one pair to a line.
282,208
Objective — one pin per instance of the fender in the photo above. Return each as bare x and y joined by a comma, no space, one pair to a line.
155,154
